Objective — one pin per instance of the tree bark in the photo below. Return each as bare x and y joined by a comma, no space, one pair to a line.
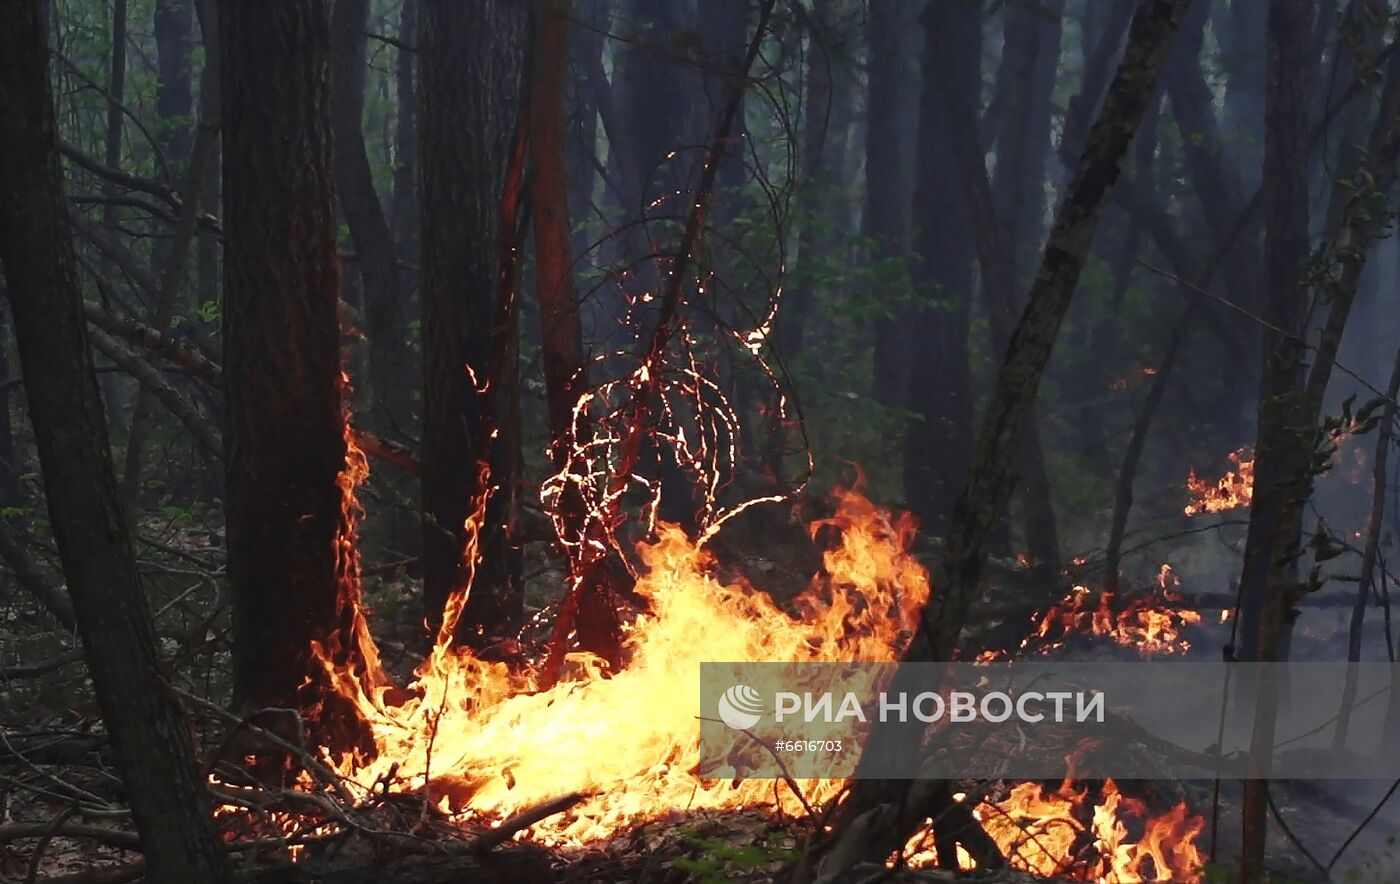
148,728
471,62
881,813
285,442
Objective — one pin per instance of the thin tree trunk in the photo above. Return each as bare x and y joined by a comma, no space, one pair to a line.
1365,583
364,215
938,449
886,218
149,730
174,32
880,813
1279,452
116,94
405,204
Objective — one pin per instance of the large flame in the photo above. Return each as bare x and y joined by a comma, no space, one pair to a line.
482,741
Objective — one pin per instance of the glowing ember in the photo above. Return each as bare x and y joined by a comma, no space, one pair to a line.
1231,491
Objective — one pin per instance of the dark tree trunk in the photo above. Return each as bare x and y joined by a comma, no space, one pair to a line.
282,369
405,205
364,215
1281,450
174,32
886,219
938,448
148,728
470,66
560,328
878,813
1245,66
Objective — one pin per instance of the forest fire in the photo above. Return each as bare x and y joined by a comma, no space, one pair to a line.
482,741
1231,491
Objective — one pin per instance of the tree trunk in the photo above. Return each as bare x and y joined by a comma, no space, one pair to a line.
1245,86
364,215
565,376
285,423
1280,451
405,203
938,449
174,33
148,728
880,813
886,219
470,66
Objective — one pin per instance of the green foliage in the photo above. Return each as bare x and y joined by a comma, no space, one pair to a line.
715,859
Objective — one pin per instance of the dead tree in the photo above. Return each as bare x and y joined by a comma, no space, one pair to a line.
149,730
878,815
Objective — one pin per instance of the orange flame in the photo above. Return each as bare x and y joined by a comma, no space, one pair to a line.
1233,490
1063,833
482,741
1151,625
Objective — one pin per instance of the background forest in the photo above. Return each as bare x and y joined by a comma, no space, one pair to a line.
388,299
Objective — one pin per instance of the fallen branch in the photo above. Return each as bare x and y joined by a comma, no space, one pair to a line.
34,670
101,834
151,379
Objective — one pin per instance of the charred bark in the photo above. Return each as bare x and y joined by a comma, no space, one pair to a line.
148,728
470,65
880,813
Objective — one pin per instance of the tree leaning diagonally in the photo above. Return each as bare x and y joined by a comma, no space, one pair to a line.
878,814
148,728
